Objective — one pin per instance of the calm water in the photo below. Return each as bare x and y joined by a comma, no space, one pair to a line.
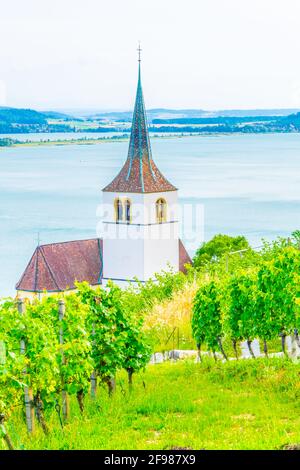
248,184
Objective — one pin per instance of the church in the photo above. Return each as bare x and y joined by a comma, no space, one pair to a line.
140,230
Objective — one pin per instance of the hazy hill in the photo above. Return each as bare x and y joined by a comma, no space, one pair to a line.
290,122
57,115
15,120
21,116
165,113
10,115
216,120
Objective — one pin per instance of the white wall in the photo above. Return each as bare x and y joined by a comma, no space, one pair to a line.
137,203
123,259
143,247
149,202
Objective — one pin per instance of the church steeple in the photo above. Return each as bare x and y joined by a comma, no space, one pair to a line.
139,173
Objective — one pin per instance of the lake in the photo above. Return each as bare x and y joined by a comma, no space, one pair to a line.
246,184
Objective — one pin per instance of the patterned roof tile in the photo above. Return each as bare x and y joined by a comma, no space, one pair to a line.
56,267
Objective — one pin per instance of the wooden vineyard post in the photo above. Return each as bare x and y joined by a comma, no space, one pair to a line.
93,385
293,351
4,433
65,397
29,410
94,375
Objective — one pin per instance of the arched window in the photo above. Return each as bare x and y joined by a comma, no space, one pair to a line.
118,210
161,210
127,211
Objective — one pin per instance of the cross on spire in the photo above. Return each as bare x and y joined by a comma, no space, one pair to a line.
38,239
139,51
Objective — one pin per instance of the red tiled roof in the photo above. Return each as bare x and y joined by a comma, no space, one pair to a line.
139,173
55,267
184,257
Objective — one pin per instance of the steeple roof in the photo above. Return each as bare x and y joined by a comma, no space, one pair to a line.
139,173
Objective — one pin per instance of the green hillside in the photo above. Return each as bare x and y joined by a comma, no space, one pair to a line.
17,120
21,116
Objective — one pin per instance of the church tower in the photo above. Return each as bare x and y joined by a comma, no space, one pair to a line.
140,230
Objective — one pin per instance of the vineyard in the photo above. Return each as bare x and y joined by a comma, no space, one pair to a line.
59,354
261,302
50,350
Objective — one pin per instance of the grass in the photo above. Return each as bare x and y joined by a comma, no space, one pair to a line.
249,404
169,314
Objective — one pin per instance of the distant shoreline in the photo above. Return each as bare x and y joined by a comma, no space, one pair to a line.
33,143
95,141
102,140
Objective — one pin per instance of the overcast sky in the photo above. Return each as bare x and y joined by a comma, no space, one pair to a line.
209,54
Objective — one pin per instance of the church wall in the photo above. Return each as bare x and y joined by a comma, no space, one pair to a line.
123,258
143,206
161,250
161,240
143,247
108,208
31,296
149,201
122,243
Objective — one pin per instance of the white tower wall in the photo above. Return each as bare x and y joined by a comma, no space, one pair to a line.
143,247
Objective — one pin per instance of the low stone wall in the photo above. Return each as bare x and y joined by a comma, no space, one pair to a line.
176,354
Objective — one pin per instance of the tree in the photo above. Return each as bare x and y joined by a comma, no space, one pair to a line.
6,142
218,246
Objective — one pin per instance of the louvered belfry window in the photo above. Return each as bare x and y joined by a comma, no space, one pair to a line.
127,211
118,210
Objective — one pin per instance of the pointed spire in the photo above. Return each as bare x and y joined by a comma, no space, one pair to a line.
139,51
139,145
139,173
